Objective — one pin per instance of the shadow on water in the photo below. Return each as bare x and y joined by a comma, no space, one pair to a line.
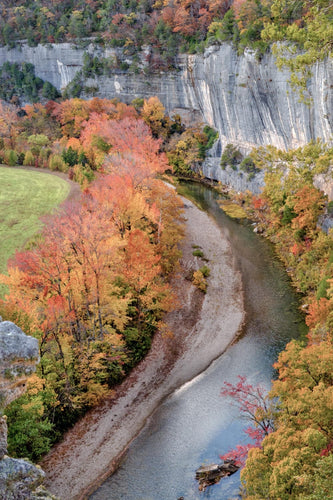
195,424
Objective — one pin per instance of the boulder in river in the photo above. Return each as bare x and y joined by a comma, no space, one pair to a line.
210,474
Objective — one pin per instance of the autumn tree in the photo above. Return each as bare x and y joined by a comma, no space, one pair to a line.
132,139
254,407
37,119
153,114
291,456
93,287
308,203
8,124
71,114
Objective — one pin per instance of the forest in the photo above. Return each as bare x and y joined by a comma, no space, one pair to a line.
93,286
19,81
147,37
291,452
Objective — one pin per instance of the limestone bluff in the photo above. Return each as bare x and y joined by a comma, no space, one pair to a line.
249,102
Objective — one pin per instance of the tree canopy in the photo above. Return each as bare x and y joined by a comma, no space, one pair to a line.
93,286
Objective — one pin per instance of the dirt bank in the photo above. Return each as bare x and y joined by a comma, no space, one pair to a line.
203,326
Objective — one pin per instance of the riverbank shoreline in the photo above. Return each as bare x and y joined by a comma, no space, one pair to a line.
203,327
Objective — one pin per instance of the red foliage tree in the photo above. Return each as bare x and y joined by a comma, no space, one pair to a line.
254,406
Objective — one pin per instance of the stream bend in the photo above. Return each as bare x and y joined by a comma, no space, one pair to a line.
203,327
194,425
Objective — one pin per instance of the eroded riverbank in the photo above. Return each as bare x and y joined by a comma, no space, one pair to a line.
203,327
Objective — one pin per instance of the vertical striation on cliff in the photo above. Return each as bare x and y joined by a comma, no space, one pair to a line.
249,102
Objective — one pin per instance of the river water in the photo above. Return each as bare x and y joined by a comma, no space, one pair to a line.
194,425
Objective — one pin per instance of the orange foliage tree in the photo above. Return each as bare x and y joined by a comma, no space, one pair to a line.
93,290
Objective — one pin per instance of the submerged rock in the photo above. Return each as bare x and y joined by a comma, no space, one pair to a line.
212,473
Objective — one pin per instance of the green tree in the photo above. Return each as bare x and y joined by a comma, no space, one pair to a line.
29,159
29,429
70,156
49,91
231,156
225,29
10,158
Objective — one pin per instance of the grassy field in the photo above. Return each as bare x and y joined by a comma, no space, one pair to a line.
25,195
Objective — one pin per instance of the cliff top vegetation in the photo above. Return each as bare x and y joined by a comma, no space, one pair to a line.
170,26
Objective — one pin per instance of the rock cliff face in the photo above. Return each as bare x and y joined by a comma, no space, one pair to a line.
250,103
56,64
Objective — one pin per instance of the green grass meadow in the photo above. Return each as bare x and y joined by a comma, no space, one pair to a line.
25,196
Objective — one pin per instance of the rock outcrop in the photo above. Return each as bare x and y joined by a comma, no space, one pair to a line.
19,479
19,354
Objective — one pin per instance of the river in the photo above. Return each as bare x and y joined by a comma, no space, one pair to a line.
194,425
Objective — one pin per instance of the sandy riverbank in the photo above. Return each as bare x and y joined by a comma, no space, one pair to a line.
203,327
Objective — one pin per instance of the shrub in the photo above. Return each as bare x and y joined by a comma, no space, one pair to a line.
230,156
199,278
10,157
138,103
29,159
82,174
209,136
29,432
205,271
57,163
198,253
248,165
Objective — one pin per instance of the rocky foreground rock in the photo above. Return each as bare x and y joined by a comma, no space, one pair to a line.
19,355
